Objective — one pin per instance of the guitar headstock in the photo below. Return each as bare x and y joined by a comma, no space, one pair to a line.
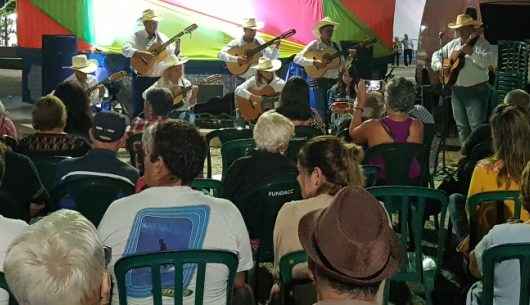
287,34
118,76
190,28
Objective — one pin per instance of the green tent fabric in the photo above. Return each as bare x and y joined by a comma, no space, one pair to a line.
350,28
74,15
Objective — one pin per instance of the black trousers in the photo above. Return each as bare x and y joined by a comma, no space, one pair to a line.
407,56
396,58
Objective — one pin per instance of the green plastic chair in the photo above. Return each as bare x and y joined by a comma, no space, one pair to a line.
46,167
428,135
307,132
224,135
501,253
476,200
210,187
259,208
397,159
287,263
370,174
3,285
89,195
178,259
408,203
235,149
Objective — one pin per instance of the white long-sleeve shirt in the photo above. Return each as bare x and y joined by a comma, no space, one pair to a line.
243,89
91,81
318,45
270,52
140,41
475,69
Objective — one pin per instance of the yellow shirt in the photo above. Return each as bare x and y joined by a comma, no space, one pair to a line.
484,179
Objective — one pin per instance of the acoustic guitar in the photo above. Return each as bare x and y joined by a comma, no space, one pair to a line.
113,77
143,63
330,57
180,92
452,66
250,111
250,51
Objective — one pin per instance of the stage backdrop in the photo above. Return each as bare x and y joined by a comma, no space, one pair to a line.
105,24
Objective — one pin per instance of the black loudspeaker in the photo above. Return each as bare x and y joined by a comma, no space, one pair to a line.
505,22
57,52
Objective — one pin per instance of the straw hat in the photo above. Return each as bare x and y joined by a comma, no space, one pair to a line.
464,20
267,65
83,64
173,60
251,23
149,15
322,23
351,240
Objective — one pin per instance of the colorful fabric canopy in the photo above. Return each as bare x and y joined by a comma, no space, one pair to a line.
107,24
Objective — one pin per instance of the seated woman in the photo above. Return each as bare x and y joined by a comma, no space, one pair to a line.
7,127
396,127
49,119
506,283
325,165
294,104
272,134
77,103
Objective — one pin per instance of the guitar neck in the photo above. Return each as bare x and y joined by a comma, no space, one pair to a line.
263,46
170,41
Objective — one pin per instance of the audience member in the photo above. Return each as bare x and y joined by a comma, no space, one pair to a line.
343,90
22,184
58,261
10,229
77,103
107,135
294,104
396,127
500,172
158,103
325,165
352,250
7,127
49,120
272,134
178,217
506,282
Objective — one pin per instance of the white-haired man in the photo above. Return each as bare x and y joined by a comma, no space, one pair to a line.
58,260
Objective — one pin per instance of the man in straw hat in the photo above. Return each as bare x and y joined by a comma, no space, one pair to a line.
83,76
140,42
471,92
323,30
250,26
351,249
265,76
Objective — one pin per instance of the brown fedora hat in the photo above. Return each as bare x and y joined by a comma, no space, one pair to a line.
351,240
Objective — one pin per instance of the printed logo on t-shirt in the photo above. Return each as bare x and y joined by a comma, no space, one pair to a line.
164,229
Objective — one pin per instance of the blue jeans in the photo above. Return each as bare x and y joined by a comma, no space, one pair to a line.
470,108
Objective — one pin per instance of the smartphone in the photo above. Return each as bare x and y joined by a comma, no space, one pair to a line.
374,85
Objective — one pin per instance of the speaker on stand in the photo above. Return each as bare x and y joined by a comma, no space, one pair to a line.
57,52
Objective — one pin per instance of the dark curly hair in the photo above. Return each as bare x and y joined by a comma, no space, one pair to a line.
294,100
181,147
77,103
339,162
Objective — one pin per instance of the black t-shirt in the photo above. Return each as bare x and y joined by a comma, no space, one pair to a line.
21,182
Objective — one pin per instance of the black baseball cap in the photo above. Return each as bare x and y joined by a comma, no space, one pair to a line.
109,126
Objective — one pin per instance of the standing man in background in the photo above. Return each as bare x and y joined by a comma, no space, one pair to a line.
396,47
140,43
407,50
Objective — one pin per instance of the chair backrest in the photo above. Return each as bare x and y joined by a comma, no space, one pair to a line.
89,195
370,174
408,204
211,187
287,263
47,166
135,150
497,254
307,132
428,136
233,150
397,158
294,147
224,135
3,285
259,208
476,200
180,261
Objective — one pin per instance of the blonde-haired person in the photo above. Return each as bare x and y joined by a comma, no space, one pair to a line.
272,134
325,165
7,127
58,261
